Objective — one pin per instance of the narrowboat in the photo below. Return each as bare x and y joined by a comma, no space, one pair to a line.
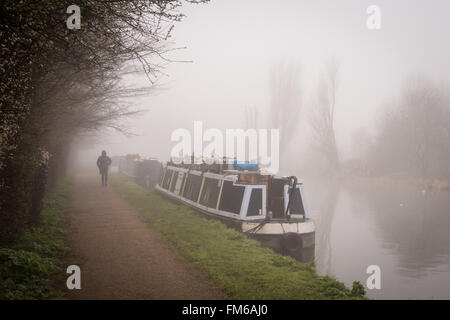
144,172
268,208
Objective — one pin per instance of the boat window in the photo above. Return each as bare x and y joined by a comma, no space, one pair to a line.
255,204
296,203
232,196
276,198
174,181
167,178
179,182
192,188
210,193
183,182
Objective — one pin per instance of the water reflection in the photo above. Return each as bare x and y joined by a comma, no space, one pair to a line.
401,228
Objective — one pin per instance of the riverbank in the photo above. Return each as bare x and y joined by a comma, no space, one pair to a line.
238,265
31,267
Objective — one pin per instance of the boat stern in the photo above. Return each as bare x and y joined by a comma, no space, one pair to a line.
295,239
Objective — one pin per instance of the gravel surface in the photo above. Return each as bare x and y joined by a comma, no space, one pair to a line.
120,255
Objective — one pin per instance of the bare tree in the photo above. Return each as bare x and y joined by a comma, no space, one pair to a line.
57,82
285,103
323,114
251,118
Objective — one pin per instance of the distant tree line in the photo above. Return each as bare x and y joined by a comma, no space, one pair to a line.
57,82
413,137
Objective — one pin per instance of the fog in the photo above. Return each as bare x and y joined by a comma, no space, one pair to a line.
233,45
229,50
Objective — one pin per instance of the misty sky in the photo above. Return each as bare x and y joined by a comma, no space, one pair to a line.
233,44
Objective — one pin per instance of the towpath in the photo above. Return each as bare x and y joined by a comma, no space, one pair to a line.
121,256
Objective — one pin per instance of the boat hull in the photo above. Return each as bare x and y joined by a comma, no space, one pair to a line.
299,246
292,238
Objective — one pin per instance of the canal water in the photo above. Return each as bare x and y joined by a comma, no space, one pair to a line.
400,228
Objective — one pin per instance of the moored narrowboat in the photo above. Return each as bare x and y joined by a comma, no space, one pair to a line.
144,172
271,209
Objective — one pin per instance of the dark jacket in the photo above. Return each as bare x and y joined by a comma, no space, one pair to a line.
103,162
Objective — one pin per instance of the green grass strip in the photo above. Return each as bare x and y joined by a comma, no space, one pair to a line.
241,267
30,268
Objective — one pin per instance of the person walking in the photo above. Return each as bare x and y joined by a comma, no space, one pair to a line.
103,163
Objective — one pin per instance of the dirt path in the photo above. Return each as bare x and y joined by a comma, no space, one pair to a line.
121,256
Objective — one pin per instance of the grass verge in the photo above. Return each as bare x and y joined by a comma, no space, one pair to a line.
28,269
238,265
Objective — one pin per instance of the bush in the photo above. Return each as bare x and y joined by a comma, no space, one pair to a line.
358,289
27,268
24,275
